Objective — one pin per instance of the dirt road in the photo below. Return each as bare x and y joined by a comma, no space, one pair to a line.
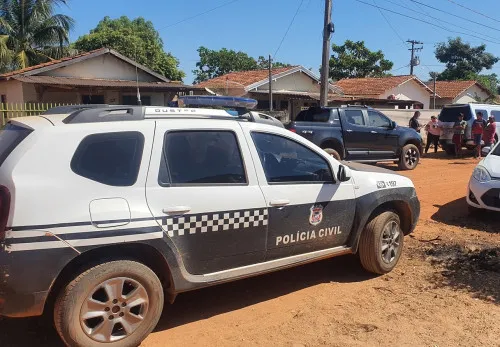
444,292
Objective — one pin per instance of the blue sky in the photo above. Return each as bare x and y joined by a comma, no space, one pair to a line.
257,27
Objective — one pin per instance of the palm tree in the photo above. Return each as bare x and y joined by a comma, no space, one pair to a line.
30,33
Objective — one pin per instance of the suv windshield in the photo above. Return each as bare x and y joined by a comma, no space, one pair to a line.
450,113
10,136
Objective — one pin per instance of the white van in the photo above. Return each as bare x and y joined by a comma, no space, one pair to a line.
449,115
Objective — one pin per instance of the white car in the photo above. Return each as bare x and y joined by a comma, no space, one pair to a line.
484,184
107,212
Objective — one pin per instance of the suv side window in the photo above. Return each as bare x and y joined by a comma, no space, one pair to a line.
496,114
484,113
376,119
286,161
355,117
314,114
110,158
201,157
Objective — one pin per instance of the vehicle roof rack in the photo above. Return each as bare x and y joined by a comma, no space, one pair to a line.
71,108
112,113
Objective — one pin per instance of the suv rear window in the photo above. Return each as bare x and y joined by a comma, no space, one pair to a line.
110,158
450,113
11,136
314,114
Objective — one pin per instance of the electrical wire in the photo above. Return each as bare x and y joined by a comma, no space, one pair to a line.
442,20
427,22
288,29
472,10
393,29
199,14
454,15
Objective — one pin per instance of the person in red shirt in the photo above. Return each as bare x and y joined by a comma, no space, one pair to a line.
489,132
478,126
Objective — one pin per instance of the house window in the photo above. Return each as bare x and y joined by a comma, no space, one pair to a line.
92,99
3,99
132,100
284,105
263,105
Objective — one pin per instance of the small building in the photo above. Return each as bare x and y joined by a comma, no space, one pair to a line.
294,88
460,92
96,77
388,92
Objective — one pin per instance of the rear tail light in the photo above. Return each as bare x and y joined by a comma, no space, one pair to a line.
4,210
293,130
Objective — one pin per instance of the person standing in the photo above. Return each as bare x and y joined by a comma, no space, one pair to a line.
489,132
433,133
458,135
414,124
478,127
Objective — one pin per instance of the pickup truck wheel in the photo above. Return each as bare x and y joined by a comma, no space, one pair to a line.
333,153
410,156
113,304
381,243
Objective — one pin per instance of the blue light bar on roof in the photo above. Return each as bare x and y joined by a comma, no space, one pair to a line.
221,101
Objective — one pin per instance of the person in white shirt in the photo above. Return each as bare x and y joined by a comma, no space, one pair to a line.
433,133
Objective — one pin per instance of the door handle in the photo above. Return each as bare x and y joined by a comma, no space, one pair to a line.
176,210
279,202
349,130
373,132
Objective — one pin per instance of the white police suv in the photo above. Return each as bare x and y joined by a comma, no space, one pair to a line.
106,211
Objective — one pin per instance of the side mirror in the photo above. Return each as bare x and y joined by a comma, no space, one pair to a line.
393,125
344,174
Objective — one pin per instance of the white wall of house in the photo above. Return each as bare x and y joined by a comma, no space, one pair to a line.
13,90
298,81
410,90
105,66
470,94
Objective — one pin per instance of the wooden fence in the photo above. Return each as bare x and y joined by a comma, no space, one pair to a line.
13,110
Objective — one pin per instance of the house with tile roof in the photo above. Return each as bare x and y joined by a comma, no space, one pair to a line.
460,92
388,92
97,77
294,88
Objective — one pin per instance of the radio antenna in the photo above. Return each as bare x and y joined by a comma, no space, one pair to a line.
139,102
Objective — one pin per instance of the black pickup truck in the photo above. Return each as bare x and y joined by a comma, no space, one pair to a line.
358,133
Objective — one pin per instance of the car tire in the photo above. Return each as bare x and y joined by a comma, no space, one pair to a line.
333,153
102,292
410,156
381,243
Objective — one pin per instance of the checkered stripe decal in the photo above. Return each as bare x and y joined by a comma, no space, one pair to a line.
215,222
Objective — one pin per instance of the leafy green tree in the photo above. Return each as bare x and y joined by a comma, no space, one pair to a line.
214,63
30,33
355,60
263,63
136,39
463,62
491,82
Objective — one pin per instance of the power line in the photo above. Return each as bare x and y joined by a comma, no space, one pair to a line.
442,20
397,34
454,15
199,14
427,22
289,26
472,10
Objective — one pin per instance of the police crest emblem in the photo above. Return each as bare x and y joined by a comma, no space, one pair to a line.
316,215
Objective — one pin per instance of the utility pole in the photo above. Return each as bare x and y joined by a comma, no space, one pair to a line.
270,84
434,96
414,49
328,29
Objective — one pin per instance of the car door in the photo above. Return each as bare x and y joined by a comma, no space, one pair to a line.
308,209
204,192
355,133
383,138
